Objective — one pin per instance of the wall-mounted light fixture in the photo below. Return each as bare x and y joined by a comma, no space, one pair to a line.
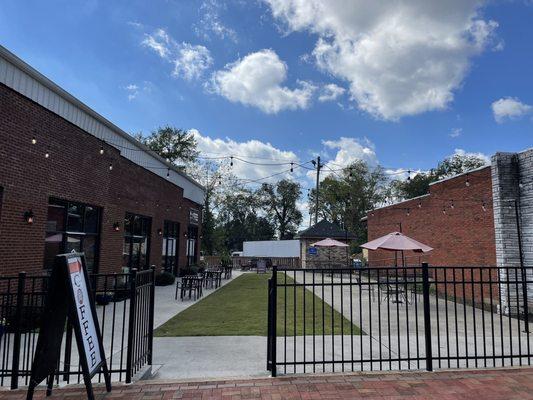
29,217
116,226
159,231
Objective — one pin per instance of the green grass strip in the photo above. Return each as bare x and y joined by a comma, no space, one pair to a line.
240,309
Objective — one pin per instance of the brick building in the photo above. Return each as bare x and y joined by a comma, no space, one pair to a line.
479,218
72,180
316,257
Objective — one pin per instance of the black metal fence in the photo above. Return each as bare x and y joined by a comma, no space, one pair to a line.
125,308
388,318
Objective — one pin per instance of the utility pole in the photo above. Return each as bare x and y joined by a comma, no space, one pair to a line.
318,166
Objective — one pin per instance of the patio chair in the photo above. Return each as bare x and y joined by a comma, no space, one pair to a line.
395,292
366,286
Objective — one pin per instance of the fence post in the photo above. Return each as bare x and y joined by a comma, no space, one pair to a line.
427,316
18,322
131,324
274,321
151,316
269,324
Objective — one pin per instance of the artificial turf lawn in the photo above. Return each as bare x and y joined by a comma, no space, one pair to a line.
240,309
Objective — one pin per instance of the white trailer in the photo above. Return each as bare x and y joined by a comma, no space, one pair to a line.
271,248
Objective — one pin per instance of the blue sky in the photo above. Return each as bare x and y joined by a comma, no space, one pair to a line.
403,85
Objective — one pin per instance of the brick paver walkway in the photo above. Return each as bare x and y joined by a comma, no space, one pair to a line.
505,384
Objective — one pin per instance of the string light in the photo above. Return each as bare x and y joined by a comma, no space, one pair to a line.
408,174
408,212
443,210
419,204
110,167
231,162
47,154
484,206
33,140
292,169
452,205
467,183
101,150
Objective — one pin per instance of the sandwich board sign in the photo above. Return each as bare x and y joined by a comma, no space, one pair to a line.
69,296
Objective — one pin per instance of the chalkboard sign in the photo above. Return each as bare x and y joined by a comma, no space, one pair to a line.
69,295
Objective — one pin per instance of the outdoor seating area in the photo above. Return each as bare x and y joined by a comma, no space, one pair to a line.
191,287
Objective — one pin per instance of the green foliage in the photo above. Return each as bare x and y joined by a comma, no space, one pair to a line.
190,270
239,220
279,200
164,279
345,198
419,184
173,144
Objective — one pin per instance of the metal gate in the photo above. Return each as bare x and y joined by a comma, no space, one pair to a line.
389,318
125,311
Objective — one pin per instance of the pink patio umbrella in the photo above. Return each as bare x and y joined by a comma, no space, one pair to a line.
329,243
397,241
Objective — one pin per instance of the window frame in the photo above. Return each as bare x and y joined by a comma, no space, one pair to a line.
65,232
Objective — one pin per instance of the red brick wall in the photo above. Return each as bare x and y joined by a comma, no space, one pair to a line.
75,171
464,236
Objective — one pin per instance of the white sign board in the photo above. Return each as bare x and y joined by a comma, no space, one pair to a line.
85,316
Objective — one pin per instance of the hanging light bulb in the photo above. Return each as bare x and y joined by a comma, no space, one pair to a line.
47,154
467,183
443,210
419,204
408,174
484,206
110,167
408,212
231,162
292,169
33,140
101,150
452,205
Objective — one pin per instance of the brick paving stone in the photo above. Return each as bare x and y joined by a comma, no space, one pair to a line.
497,384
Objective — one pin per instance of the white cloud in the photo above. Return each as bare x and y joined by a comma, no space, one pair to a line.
456,132
400,58
461,152
256,80
330,92
251,150
509,108
347,151
160,42
190,61
210,22
133,90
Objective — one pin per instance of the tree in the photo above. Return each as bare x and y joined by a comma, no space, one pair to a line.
173,144
215,178
346,197
279,200
419,184
238,219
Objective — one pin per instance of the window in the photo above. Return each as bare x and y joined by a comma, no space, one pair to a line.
136,241
192,239
170,246
72,226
